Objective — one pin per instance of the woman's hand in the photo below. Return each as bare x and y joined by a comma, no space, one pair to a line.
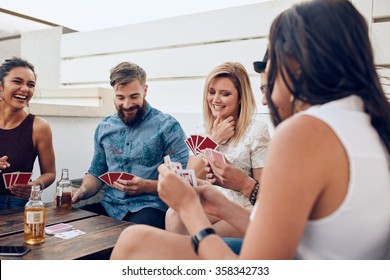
223,130
198,164
226,175
21,190
4,163
213,201
174,190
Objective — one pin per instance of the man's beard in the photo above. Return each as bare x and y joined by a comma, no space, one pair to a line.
130,120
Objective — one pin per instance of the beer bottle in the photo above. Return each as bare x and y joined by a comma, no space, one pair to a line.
34,218
64,191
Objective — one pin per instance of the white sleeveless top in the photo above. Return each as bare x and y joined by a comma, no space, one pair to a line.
360,227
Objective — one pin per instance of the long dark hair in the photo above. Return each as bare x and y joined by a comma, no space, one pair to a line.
330,42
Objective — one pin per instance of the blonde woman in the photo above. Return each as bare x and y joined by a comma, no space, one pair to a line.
229,110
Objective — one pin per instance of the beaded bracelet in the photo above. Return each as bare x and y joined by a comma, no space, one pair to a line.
255,190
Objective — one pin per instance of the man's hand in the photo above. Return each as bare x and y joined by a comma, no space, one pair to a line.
135,186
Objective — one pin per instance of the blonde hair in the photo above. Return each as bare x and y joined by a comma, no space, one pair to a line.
236,72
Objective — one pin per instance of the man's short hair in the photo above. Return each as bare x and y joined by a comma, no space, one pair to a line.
127,72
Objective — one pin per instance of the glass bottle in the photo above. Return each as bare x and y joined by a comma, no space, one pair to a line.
64,191
34,218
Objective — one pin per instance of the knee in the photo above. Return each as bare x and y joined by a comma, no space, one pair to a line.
130,242
172,220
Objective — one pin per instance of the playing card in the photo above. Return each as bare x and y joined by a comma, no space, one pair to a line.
208,154
167,160
114,176
207,143
105,178
69,234
188,143
199,140
189,175
176,167
126,176
7,179
53,229
218,156
23,178
193,139
13,178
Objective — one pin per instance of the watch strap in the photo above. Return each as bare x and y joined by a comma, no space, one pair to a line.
197,238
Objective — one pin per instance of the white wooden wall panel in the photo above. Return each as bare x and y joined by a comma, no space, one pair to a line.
381,42
169,63
187,96
226,24
381,9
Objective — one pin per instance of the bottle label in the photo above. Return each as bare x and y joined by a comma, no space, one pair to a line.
35,217
59,191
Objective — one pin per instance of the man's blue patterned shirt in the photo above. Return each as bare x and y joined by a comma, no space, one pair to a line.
138,149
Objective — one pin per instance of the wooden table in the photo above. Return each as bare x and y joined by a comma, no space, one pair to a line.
101,235
11,220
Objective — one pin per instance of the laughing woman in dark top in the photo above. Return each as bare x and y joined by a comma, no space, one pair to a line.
23,136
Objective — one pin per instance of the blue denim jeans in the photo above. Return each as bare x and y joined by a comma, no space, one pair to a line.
9,202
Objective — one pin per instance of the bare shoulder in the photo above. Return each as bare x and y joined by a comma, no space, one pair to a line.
41,127
304,131
307,144
41,124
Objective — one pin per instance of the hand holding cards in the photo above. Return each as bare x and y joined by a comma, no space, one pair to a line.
198,143
13,178
176,167
110,177
214,155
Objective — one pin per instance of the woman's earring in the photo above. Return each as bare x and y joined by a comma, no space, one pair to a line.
292,98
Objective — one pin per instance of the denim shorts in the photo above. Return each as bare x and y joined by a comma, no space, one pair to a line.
10,202
234,244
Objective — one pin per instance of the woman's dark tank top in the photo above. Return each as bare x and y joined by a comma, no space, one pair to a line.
17,144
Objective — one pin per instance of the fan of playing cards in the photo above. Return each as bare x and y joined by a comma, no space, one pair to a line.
176,167
110,177
13,178
199,143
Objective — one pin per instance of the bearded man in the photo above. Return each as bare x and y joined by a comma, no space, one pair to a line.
134,140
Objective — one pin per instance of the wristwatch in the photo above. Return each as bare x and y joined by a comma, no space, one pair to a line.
200,236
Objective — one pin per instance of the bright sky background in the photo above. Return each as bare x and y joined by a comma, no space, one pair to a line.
86,15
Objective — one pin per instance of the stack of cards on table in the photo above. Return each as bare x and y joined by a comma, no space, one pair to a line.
176,167
110,177
63,231
13,178
58,228
214,155
198,143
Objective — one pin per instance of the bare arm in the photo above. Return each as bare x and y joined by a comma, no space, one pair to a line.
198,164
44,145
89,187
